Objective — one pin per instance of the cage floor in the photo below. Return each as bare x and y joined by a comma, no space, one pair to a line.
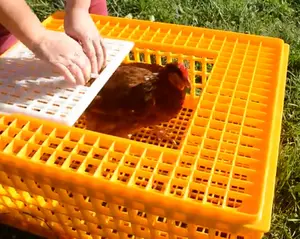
174,130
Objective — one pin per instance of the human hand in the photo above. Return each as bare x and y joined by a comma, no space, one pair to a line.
79,25
65,54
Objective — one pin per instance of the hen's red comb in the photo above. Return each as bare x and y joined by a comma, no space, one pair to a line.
183,70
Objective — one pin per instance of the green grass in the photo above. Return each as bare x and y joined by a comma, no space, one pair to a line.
269,18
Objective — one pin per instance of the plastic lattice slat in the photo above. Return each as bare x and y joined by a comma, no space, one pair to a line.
30,86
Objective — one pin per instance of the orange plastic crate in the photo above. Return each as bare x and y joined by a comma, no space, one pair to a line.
218,183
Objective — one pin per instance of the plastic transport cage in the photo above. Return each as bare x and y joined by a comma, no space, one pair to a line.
67,182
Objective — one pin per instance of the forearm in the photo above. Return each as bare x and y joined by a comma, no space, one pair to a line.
70,5
17,17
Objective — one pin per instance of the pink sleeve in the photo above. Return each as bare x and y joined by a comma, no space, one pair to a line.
6,39
98,7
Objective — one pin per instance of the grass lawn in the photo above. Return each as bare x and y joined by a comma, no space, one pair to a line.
270,18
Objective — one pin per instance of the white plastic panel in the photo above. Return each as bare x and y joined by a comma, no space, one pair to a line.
29,86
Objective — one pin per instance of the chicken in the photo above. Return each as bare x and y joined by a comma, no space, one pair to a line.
138,95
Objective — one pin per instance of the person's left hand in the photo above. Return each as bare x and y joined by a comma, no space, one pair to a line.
79,25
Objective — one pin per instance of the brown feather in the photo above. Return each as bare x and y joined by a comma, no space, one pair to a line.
136,95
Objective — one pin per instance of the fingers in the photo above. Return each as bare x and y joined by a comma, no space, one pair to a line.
100,53
73,71
103,50
89,50
84,65
78,72
66,73
96,53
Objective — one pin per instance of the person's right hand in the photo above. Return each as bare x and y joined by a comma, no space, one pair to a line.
65,54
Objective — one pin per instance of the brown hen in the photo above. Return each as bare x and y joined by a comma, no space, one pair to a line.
138,95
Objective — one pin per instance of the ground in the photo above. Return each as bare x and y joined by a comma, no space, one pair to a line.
270,18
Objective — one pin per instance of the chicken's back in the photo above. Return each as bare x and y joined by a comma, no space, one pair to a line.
124,101
129,89
154,68
133,98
